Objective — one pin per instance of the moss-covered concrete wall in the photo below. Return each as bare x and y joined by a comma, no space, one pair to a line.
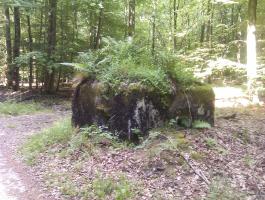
137,109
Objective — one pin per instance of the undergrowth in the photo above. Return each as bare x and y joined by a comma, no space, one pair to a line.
13,108
59,133
117,186
88,139
198,124
118,189
121,63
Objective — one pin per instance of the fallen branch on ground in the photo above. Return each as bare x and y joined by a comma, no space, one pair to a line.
196,170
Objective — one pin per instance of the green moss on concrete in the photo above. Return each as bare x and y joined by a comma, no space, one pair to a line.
202,93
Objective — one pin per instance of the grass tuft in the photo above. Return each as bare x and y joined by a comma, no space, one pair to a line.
120,189
60,132
221,189
13,108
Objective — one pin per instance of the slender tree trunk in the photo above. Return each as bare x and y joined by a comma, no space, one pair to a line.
131,19
99,27
30,50
40,28
252,51
50,76
153,28
202,33
8,48
175,8
59,80
209,23
62,44
16,49
239,36
91,31
233,33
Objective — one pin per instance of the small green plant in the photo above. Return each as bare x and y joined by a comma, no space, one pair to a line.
199,124
185,122
120,189
13,108
79,142
221,189
97,135
59,133
248,160
68,188
244,136
211,143
172,123
152,136
175,144
63,181
197,155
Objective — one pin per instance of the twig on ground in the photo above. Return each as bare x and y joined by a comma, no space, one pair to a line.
196,170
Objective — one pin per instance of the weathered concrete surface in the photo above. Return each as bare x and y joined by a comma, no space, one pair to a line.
137,109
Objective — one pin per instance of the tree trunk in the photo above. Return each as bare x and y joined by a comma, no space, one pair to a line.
16,49
8,48
153,28
50,76
99,27
209,23
30,50
252,51
175,8
131,19
202,33
92,31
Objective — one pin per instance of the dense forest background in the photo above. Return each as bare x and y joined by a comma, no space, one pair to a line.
207,37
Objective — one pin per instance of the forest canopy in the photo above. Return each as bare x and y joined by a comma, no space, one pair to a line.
135,38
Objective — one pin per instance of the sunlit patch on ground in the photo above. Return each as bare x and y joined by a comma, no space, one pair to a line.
228,97
9,181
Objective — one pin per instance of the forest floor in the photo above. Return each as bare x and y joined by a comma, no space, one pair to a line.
224,162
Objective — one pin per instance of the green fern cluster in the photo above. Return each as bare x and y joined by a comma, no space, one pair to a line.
199,124
121,63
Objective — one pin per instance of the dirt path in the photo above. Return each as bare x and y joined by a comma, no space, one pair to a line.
17,182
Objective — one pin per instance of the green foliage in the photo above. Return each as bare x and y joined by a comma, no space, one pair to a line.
175,144
120,189
121,63
164,140
185,122
211,143
244,136
78,142
40,58
95,135
197,155
13,108
198,124
59,133
249,160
